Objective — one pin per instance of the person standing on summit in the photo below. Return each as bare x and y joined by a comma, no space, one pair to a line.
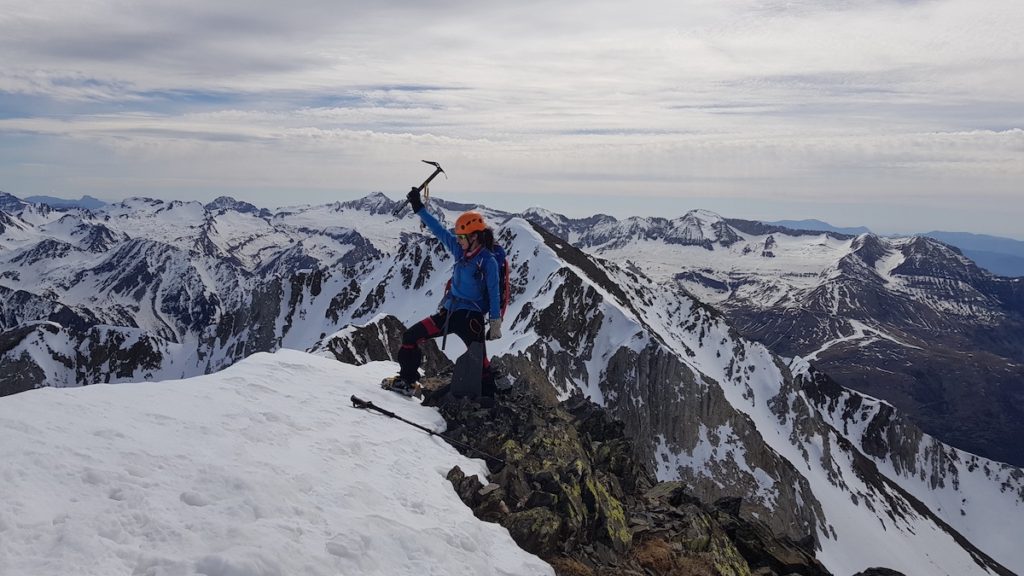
475,292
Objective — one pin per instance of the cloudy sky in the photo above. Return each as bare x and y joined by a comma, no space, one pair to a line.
901,115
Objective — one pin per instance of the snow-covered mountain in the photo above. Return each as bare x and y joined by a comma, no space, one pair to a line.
728,417
183,289
909,320
264,468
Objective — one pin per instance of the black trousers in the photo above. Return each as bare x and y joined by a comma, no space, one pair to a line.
468,325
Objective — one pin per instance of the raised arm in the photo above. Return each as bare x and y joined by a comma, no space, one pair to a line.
442,233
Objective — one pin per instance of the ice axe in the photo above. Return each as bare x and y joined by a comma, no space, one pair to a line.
437,170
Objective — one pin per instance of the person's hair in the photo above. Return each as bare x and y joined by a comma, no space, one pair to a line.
487,238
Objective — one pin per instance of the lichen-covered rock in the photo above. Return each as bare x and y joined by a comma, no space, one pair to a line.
566,484
536,530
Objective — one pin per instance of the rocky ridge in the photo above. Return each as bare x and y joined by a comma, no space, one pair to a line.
566,484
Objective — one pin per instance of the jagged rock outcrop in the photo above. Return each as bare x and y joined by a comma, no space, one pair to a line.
567,486
10,203
646,382
375,203
379,340
97,354
226,203
682,412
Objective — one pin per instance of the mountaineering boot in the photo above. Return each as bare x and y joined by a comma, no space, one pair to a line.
396,384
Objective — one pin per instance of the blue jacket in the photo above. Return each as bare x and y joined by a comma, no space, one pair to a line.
475,284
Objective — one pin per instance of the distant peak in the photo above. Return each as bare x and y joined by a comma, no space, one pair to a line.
10,202
538,210
224,203
543,214
703,215
141,200
818,226
374,203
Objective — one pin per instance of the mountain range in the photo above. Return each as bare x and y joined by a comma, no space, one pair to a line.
819,226
87,202
1003,256
909,320
654,319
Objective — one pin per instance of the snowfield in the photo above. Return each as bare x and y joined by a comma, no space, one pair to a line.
263,469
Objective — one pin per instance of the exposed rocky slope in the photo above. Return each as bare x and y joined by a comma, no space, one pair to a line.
567,485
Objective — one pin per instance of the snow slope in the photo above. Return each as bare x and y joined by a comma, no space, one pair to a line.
263,469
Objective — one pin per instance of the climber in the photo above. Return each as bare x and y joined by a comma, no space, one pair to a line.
475,291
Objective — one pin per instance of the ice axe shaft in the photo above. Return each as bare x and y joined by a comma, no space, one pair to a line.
437,170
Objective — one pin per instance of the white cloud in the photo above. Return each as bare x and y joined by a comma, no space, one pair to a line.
819,99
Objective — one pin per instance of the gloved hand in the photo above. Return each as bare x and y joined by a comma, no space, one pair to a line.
414,200
495,329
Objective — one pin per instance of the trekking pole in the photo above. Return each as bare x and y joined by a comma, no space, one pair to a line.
367,405
437,170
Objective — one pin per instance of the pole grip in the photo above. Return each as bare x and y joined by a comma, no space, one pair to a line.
367,405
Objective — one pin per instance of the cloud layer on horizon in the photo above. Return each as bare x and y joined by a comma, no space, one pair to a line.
816,101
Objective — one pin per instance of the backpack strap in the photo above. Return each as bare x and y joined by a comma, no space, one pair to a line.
504,276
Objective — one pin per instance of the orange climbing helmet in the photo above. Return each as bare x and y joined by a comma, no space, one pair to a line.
470,222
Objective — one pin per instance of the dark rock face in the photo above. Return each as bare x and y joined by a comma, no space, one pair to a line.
376,203
97,354
114,354
679,406
20,372
954,361
567,486
10,203
225,203
661,401
46,250
19,306
98,238
959,373
379,341
890,435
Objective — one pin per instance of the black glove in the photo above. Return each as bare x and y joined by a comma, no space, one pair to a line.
414,200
